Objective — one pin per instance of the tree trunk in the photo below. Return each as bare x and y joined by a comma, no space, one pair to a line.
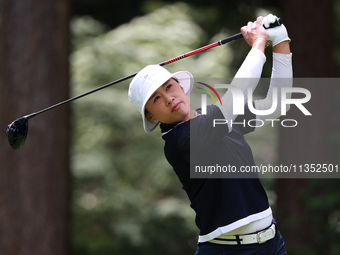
312,33
34,181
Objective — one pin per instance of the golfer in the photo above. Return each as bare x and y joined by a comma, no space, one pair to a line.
233,215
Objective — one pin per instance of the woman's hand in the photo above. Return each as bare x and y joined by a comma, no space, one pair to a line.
255,34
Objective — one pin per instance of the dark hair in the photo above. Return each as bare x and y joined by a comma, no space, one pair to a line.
175,79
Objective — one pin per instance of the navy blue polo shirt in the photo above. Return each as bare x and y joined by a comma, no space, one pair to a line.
221,204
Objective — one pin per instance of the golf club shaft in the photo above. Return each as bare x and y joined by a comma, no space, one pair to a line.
278,22
204,48
80,96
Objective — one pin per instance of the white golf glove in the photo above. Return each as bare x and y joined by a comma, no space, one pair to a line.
276,34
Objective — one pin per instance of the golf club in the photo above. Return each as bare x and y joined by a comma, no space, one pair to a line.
18,129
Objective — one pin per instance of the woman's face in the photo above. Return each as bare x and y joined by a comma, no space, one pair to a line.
168,104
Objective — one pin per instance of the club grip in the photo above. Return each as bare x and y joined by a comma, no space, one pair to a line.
278,22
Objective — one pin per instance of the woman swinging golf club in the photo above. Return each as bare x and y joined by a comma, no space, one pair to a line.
233,215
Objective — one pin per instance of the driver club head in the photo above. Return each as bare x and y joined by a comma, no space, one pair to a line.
17,132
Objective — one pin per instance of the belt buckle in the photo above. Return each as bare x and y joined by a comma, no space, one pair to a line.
262,238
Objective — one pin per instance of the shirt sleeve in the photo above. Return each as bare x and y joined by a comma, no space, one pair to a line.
246,77
282,74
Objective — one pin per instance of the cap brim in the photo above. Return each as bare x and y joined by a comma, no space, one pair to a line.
186,80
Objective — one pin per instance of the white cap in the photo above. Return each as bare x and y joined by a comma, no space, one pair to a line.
147,81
